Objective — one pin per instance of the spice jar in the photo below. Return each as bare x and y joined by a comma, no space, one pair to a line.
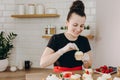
31,8
46,30
52,30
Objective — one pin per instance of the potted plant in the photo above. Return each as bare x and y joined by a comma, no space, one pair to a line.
63,29
86,31
5,46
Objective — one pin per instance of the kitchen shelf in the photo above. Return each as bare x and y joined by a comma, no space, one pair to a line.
35,16
49,36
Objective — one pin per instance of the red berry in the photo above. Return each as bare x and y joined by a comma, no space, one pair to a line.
87,72
67,75
110,69
98,69
107,71
105,67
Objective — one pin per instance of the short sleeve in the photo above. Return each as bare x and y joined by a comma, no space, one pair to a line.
52,43
87,45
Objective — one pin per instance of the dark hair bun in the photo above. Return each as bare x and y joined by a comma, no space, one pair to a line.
77,5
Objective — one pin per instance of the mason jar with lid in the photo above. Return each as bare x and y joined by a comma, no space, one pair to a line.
40,9
20,9
31,8
52,29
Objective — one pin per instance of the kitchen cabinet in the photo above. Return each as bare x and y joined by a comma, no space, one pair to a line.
36,16
48,36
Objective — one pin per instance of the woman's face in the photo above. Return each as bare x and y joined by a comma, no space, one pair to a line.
75,24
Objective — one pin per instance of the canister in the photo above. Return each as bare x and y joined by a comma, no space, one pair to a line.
21,9
51,11
40,9
52,30
31,8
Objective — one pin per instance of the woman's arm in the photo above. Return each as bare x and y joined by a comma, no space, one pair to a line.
50,56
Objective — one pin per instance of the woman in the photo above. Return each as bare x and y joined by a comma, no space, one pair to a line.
61,48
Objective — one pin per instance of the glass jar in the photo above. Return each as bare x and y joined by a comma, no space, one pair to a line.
20,9
40,9
31,8
52,30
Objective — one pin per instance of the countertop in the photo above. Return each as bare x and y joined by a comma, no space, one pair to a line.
33,74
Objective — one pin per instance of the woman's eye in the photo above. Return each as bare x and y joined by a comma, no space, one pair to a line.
75,25
82,26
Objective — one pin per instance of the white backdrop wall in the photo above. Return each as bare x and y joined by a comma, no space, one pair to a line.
29,44
108,30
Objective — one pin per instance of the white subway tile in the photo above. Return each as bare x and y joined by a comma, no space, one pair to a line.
1,27
10,7
2,19
9,26
90,4
1,13
8,13
2,7
87,11
90,19
8,1
9,20
93,11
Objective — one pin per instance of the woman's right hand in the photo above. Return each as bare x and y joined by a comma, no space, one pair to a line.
69,47
86,64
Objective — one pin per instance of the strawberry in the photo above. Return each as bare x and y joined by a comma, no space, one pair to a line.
97,69
87,72
105,67
107,71
110,69
103,70
67,75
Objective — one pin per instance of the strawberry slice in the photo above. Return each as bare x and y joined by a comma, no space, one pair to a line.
67,75
87,72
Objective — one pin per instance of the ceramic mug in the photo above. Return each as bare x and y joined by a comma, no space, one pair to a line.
27,64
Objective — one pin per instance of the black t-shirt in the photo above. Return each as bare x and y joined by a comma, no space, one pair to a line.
58,41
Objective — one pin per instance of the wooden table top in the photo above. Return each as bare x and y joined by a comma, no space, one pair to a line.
34,74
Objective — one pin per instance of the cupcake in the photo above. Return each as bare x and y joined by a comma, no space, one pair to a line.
52,77
100,78
75,77
105,77
89,70
66,75
86,76
116,78
78,55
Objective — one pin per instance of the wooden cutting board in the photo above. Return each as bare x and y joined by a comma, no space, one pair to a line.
35,76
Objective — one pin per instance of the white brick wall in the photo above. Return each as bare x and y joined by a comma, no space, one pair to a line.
2,7
29,44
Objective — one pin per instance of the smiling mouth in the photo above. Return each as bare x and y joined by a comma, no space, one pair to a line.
77,33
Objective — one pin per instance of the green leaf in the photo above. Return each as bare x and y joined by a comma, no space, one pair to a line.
6,44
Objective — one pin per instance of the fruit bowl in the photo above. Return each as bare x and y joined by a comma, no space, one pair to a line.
106,69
